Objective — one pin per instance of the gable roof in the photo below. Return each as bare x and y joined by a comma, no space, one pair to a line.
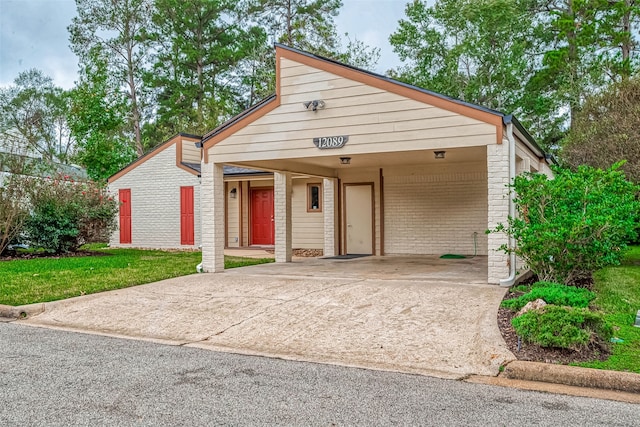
268,104
177,138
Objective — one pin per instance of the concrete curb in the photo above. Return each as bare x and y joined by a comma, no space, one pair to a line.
21,311
572,376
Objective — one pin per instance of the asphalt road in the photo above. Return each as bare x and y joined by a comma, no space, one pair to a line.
50,377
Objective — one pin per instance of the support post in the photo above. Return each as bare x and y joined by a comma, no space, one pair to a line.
282,209
213,226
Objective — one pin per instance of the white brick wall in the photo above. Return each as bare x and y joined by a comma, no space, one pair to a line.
498,212
213,217
155,202
282,215
435,212
330,218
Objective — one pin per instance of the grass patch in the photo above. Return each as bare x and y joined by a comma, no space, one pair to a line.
618,296
45,279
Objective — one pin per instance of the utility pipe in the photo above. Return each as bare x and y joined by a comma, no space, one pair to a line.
509,281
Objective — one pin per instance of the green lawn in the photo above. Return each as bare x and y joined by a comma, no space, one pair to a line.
43,279
618,290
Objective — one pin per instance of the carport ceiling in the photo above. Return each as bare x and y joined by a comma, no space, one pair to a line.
373,160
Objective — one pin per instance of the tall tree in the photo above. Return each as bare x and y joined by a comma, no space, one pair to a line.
32,118
115,27
467,49
97,117
199,44
571,65
303,24
607,130
620,28
586,45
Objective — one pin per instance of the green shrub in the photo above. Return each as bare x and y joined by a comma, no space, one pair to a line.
574,224
66,214
552,293
53,226
564,327
520,288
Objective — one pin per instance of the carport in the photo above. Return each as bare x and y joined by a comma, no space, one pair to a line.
403,171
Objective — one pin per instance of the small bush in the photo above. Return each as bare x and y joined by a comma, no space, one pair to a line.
67,214
520,288
564,327
552,293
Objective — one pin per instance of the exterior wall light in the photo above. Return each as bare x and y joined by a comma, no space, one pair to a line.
315,105
345,160
439,154
233,193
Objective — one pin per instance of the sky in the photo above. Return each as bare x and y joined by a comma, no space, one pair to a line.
33,34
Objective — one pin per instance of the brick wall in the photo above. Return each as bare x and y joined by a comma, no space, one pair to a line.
155,202
498,210
437,211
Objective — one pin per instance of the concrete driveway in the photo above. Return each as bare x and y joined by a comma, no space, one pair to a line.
414,314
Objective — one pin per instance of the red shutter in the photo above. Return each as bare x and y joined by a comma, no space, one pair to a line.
186,216
125,215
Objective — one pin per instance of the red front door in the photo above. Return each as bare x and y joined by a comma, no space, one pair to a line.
262,225
125,215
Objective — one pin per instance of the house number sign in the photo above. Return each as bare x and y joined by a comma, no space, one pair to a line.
326,142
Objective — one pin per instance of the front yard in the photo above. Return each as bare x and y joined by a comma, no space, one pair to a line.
618,296
27,281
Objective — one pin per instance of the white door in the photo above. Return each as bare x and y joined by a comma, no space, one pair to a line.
359,218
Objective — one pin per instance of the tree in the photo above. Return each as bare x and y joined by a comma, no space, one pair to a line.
620,34
570,64
116,28
574,224
199,44
14,196
96,118
538,59
467,49
32,118
303,24
358,54
607,130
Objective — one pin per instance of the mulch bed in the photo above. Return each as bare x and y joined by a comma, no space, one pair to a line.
307,253
535,353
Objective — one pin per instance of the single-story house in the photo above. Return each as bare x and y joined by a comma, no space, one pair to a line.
340,160
363,164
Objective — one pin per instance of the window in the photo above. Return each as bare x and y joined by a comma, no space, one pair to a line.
314,197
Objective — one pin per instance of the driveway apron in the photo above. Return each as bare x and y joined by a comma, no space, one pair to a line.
407,314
